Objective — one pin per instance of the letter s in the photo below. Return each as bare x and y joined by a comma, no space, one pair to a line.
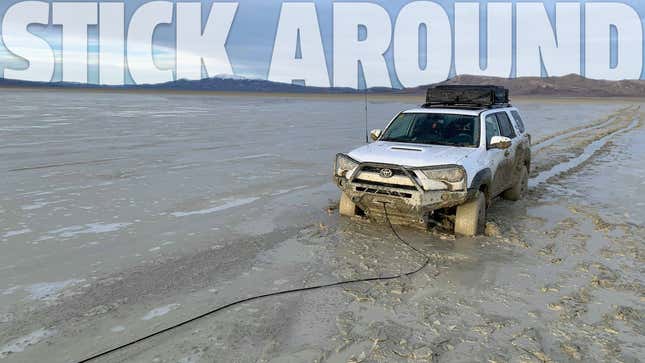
22,43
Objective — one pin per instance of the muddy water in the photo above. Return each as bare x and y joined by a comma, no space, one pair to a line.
118,220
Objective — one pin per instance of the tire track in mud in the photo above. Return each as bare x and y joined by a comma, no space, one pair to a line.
74,163
587,153
588,260
548,140
566,151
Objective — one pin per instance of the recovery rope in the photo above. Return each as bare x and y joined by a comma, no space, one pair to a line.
285,292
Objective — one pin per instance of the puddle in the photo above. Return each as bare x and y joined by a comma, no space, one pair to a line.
16,233
49,290
232,204
89,228
22,343
155,313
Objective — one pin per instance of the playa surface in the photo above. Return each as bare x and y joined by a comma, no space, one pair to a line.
122,214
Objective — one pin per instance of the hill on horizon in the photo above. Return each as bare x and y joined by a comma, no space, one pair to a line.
565,86
571,85
217,83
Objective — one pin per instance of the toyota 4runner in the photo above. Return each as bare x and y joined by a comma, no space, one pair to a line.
443,162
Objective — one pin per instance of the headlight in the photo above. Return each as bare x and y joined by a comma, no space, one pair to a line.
448,178
344,166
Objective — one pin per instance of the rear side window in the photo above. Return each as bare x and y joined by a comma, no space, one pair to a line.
505,125
519,121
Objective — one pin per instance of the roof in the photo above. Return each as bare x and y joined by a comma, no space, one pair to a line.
472,111
457,111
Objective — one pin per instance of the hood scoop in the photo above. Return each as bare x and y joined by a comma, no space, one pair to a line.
404,148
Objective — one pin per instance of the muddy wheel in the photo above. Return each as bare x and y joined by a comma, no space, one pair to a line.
520,188
471,217
346,208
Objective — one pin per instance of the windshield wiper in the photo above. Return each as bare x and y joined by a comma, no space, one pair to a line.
438,143
397,140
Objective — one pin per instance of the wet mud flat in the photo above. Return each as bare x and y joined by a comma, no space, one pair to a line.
119,220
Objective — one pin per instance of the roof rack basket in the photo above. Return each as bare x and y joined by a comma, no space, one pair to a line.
467,96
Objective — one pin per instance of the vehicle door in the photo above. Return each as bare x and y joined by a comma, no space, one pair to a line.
524,143
495,157
514,155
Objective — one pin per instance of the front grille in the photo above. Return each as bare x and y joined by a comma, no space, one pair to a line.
371,175
377,170
383,192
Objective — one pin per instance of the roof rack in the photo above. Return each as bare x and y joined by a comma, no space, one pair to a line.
475,97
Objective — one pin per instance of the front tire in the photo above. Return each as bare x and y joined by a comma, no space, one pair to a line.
471,217
347,208
520,188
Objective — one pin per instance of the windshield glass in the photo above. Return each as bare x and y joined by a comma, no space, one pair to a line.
434,129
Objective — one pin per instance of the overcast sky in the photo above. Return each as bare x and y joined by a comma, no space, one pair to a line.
250,43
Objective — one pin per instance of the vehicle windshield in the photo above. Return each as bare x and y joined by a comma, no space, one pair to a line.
434,129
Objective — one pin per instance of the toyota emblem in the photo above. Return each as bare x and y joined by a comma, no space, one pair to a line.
386,173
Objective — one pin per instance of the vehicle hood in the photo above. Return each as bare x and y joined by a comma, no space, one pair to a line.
415,155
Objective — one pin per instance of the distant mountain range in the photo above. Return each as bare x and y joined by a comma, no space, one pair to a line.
219,83
566,86
236,84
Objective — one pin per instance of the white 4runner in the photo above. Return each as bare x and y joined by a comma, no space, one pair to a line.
444,161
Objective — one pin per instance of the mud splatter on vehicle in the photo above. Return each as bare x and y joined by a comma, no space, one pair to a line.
443,162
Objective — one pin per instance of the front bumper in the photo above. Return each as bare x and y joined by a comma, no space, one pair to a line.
406,200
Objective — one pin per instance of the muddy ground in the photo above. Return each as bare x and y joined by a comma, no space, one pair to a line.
122,214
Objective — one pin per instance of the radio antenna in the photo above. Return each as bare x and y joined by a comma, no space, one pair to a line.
367,140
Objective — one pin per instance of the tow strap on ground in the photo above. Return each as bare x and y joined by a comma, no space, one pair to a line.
238,302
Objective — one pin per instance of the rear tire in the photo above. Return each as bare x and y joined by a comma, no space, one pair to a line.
520,188
347,208
471,217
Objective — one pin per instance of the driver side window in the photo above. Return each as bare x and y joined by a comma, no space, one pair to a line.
401,126
492,128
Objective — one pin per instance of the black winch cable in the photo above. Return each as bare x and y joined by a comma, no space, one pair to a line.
318,287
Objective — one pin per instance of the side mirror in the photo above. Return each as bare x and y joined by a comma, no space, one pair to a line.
500,142
375,134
